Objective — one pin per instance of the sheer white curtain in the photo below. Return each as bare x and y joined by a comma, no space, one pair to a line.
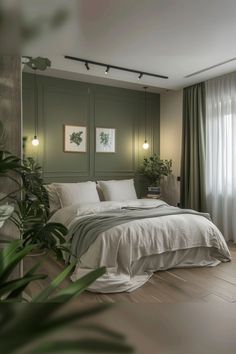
221,153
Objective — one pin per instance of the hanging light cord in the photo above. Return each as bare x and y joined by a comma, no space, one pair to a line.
145,113
35,104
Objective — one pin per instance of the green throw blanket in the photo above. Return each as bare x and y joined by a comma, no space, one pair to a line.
86,230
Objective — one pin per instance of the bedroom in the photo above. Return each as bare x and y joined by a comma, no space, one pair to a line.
135,87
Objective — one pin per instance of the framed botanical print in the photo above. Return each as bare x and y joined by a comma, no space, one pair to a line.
105,139
75,138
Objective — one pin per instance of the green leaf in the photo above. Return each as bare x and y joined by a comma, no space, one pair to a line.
7,313
19,290
102,330
88,345
49,321
153,168
63,320
7,253
18,283
10,256
54,284
79,286
5,241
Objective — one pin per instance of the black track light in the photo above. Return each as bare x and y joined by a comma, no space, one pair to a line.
140,76
109,66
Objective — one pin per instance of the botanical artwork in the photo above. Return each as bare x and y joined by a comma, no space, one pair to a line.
105,140
75,138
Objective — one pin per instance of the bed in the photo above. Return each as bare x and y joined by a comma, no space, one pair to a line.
135,238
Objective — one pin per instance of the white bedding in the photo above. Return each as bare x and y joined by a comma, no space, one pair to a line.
131,252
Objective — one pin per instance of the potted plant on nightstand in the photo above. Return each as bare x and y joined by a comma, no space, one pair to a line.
154,168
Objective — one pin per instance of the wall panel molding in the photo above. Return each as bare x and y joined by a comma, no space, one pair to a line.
71,102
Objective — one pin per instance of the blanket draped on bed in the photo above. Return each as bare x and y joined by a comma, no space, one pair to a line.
86,230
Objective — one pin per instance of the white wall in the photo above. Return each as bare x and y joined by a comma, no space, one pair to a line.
171,141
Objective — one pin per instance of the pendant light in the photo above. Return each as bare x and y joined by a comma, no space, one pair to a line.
35,141
145,144
42,64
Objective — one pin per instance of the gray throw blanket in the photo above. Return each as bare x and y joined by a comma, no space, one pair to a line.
86,230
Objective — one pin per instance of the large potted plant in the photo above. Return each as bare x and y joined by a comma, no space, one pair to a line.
31,212
39,328
154,168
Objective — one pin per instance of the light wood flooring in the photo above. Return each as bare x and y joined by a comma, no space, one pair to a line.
199,285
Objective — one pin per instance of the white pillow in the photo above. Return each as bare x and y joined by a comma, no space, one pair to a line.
118,190
54,201
73,193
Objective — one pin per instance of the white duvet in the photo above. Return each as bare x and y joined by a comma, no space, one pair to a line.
131,252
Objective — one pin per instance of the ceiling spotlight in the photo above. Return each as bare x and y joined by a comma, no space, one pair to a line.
140,76
86,65
107,69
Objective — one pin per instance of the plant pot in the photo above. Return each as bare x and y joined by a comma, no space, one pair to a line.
37,252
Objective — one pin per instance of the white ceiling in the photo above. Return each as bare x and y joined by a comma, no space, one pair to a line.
168,37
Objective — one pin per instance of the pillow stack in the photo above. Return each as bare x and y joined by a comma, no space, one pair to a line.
62,195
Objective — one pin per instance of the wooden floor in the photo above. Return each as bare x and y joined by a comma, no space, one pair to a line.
199,285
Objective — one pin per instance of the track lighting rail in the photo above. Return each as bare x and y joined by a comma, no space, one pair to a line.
139,73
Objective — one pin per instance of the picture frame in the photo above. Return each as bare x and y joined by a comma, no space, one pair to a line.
105,140
75,138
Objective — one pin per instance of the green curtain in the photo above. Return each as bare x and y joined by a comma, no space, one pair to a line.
192,187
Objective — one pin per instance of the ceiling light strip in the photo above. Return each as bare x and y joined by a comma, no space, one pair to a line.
210,67
115,67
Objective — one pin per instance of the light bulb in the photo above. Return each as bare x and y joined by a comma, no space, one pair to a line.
145,145
35,141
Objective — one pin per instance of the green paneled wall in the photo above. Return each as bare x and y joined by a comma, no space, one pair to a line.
78,103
